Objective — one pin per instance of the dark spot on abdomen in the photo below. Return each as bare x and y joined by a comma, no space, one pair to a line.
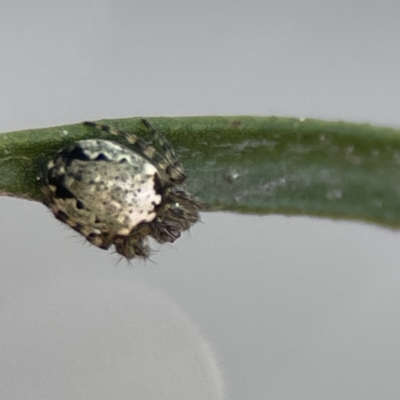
101,157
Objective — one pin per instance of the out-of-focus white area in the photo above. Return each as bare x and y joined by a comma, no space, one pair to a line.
101,336
257,307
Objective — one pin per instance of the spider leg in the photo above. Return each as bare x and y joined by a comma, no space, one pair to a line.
177,194
132,246
165,230
98,239
168,150
141,145
178,213
144,148
174,169
174,172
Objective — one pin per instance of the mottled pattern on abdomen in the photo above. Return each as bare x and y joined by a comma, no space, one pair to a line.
103,185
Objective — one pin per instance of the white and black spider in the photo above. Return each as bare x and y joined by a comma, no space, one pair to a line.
113,194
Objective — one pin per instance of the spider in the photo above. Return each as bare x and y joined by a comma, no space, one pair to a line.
118,195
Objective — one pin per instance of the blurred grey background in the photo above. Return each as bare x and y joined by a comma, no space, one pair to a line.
244,307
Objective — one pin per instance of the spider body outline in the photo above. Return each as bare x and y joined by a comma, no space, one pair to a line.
120,195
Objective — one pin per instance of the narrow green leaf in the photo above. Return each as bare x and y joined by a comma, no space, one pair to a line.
248,164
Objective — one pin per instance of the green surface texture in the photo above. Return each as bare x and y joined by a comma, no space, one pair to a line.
258,165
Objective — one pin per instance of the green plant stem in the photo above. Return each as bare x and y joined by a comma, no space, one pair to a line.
256,165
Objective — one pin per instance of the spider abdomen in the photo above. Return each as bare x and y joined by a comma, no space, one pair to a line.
103,185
